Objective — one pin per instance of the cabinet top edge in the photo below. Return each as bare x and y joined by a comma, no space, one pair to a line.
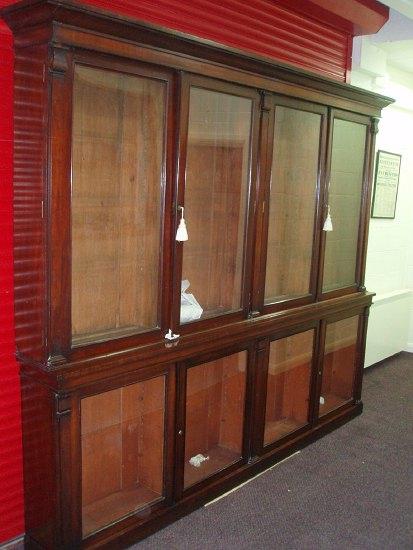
28,14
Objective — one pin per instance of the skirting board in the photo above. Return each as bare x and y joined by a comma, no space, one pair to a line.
13,544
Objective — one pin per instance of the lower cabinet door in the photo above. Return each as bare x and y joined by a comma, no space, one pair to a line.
123,452
288,385
339,364
214,416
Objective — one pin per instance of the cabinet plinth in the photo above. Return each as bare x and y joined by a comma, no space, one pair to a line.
123,133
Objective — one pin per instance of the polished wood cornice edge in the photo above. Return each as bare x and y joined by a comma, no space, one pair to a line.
22,16
77,370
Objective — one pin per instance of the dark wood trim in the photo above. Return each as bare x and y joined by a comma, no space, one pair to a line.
85,369
59,204
319,370
180,431
262,210
229,72
318,351
70,468
343,291
261,374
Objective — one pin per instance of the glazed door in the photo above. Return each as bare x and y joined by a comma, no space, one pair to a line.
120,170
212,428
285,386
293,140
344,196
339,372
218,141
126,451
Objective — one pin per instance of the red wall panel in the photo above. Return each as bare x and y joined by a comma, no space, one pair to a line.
11,495
260,26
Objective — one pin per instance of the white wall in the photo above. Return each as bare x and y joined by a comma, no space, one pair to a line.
389,270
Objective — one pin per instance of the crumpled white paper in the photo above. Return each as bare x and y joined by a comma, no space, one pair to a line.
197,460
190,308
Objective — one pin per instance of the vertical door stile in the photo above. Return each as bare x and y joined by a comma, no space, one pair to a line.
181,376
262,203
319,369
182,89
324,198
261,367
59,204
255,208
320,212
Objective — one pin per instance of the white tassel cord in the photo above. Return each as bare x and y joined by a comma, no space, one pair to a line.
328,223
181,232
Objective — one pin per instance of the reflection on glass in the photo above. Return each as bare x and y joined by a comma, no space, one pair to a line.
215,404
288,385
339,364
346,181
292,204
217,176
118,142
122,452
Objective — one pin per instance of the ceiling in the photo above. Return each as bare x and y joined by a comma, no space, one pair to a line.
396,37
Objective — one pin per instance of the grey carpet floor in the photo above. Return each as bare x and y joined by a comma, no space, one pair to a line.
353,489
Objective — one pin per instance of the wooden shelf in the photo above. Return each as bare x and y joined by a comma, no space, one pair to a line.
331,402
219,458
279,428
105,511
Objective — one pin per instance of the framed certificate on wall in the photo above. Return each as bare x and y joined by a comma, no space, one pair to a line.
386,183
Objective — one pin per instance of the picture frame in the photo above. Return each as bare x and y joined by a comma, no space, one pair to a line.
386,184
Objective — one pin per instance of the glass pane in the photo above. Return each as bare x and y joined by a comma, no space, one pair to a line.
215,403
288,385
292,204
217,176
346,181
122,452
339,364
117,180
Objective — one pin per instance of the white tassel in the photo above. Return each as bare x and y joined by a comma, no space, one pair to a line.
328,224
181,232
